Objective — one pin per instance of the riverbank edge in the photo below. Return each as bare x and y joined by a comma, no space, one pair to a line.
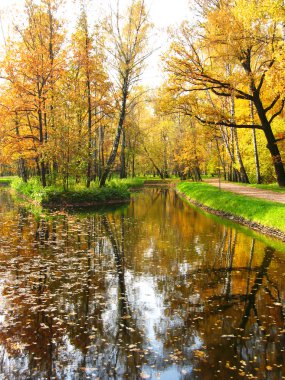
269,231
61,203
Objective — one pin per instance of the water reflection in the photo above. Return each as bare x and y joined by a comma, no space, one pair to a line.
154,290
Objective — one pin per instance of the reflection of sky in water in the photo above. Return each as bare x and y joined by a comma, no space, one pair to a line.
11,363
148,305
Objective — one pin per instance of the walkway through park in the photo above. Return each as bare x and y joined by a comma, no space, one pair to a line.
268,195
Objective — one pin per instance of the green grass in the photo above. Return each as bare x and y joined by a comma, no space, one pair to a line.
128,182
270,214
271,186
79,196
6,180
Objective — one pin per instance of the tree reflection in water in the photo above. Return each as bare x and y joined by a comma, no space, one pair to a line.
153,289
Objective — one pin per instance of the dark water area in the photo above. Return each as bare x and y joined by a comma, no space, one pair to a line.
152,290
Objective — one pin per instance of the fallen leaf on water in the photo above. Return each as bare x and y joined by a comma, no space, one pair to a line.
44,326
200,354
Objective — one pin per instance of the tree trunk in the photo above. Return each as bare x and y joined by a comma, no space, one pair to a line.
256,157
21,163
43,173
100,150
123,155
159,172
165,166
133,165
41,138
271,141
276,157
89,126
23,170
243,173
226,139
114,150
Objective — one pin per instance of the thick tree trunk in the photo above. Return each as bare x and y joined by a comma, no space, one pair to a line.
197,174
276,157
271,141
23,170
114,150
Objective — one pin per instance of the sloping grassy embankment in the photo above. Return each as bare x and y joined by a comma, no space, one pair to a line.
261,215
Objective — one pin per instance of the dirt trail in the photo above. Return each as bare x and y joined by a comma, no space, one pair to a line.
249,191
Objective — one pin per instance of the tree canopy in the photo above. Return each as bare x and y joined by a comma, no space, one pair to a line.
74,108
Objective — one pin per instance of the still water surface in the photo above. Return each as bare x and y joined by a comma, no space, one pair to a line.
153,290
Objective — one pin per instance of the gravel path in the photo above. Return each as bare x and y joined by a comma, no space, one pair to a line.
249,191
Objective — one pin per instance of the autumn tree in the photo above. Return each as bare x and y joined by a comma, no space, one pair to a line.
32,66
187,142
127,49
90,92
250,42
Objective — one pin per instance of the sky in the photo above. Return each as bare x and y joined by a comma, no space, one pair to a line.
163,14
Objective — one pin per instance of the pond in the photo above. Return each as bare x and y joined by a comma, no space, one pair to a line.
152,290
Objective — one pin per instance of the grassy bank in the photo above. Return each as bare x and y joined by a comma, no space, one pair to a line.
265,213
6,180
77,196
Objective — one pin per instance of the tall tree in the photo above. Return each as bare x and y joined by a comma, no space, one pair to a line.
128,51
249,41
33,64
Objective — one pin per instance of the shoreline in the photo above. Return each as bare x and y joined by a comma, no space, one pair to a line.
54,205
66,205
258,227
